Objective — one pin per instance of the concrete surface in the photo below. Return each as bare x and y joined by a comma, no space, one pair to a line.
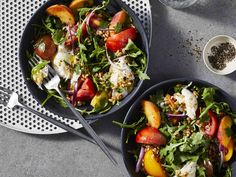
172,56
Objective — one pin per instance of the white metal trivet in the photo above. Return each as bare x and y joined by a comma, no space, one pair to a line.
14,15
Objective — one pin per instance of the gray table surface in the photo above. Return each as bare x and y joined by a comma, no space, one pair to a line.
172,56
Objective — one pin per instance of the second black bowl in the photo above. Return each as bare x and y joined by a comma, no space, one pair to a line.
134,111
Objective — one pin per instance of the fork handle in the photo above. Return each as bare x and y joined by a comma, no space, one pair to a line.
58,123
88,128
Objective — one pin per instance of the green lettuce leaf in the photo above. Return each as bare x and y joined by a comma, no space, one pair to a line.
38,67
139,56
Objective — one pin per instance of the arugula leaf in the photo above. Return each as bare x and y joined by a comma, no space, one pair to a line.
178,88
133,51
228,132
228,172
201,172
118,27
208,95
104,24
138,55
188,157
142,76
38,67
134,127
58,36
206,109
97,49
83,11
77,68
167,130
82,55
193,143
55,27
131,126
53,94
171,148
157,98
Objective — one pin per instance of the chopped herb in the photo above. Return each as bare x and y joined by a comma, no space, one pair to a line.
38,67
118,28
135,127
228,132
54,27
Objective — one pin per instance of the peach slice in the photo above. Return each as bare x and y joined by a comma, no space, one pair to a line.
230,151
119,18
222,134
152,166
63,13
152,113
45,48
76,4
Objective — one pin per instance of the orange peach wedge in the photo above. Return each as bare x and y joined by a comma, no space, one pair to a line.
152,166
152,113
224,131
63,13
230,151
119,18
76,4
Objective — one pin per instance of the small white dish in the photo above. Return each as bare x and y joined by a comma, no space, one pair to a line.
216,41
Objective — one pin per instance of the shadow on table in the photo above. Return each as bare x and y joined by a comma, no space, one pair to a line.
169,59
213,9
102,127
232,76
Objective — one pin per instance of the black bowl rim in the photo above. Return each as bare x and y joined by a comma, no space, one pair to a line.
156,86
143,36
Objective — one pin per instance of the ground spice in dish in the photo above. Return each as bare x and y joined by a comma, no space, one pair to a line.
221,55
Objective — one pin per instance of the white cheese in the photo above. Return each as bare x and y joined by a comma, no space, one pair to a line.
189,100
119,76
40,75
190,103
61,62
188,170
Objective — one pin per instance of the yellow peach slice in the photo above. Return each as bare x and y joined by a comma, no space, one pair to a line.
76,4
63,13
223,135
152,113
152,166
230,152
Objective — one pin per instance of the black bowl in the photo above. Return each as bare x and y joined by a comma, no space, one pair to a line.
26,45
133,116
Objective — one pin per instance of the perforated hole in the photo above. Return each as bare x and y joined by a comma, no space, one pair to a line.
14,16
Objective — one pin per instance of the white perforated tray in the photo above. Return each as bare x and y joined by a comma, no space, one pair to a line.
14,15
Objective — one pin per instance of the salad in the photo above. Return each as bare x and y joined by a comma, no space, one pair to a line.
186,131
92,50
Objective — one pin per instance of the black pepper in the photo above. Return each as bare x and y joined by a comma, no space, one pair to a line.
221,55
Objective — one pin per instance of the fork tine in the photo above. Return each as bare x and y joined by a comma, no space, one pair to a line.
50,75
6,90
36,60
45,80
31,63
51,70
5,94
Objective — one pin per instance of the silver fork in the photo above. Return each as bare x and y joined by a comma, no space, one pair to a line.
10,99
52,83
